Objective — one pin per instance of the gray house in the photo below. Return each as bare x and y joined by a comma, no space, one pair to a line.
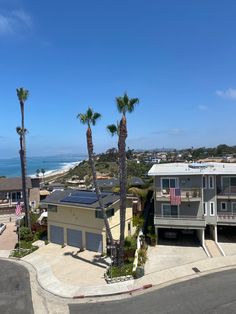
196,196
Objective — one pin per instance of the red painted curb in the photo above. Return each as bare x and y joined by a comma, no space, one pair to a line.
147,286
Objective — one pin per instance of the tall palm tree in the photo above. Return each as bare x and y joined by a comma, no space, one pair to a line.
22,95
124,105
43,173
37,172
89,118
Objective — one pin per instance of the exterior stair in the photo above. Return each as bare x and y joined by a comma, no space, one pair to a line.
212,248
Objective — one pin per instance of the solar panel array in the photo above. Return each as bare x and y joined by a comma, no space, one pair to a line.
78,197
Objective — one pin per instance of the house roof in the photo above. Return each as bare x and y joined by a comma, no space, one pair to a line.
109,183
210,168
79,198
13,184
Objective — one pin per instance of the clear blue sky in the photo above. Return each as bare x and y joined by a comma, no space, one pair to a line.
178,57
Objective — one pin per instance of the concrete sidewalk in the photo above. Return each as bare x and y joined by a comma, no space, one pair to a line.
50,282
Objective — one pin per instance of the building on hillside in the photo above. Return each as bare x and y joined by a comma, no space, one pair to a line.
200,197
11,191
74,218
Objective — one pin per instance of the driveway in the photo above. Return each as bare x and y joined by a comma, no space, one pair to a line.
164,256
227,239
71,266
8,239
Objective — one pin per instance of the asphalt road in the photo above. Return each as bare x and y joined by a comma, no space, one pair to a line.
15,292
214,293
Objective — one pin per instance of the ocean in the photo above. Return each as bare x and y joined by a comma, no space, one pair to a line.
11,167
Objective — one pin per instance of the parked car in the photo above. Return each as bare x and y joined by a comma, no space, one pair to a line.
2,227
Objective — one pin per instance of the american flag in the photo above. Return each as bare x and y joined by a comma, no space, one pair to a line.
175,196
18,209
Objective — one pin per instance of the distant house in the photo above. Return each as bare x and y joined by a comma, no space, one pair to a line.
109,184
75,218
11,191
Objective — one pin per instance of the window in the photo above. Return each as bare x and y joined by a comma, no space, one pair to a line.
211,182
205,209
52,208
233,208
129,228
169,210
212,209
228,185
204,182
110,212
223,206
167,183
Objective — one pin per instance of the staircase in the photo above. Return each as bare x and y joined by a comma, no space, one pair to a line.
212,248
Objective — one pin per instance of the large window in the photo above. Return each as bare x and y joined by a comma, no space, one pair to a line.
167,183
169,210
223,206
228,185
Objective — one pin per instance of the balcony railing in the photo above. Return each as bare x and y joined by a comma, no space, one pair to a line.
227,217
180,221
187,194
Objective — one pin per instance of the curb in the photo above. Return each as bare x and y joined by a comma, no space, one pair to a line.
147,286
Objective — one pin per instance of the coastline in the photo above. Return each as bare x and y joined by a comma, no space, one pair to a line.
57,172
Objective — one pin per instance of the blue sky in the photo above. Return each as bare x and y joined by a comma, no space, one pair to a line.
178,57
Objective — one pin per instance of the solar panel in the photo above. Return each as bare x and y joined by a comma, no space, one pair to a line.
82,198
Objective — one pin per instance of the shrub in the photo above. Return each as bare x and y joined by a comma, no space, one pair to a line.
124,270
142,257
25,234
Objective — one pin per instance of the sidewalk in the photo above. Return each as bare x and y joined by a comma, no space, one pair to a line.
48,280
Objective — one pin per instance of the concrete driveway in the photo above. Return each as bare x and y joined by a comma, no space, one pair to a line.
8,239
227,240
164,256
71,266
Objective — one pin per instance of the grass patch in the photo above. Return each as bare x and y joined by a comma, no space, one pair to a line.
26,248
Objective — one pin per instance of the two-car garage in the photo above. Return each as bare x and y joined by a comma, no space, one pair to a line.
74,237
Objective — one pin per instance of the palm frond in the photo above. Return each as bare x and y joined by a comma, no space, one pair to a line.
131,104
112,129
82,117
22,94
120,104
96,116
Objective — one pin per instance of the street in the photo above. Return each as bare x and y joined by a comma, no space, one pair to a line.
214,293
15,291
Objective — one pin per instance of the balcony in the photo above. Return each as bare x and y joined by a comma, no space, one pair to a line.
226,218
187,194
226,192
188,222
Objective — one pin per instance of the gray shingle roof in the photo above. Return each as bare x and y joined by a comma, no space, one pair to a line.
13,184
56,197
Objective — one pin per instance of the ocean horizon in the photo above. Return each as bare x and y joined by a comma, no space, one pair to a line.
10,167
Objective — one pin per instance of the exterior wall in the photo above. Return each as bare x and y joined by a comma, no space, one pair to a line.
84,219
34,196
188,181
209,195
185,209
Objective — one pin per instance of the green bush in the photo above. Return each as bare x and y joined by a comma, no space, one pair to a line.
130,243
124,270
142,257
25,234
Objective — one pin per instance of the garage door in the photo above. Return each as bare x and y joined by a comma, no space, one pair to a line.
74,238
94,242
57,234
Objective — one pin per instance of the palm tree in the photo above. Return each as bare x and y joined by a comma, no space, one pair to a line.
43,172
37,172
89,118
22,95
124,105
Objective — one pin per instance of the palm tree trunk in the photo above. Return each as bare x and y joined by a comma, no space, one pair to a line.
23,168
123,183
97,190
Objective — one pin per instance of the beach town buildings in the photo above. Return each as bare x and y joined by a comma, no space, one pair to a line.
74,218
197,197
11,192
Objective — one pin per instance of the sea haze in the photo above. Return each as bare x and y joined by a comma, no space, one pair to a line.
11,167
